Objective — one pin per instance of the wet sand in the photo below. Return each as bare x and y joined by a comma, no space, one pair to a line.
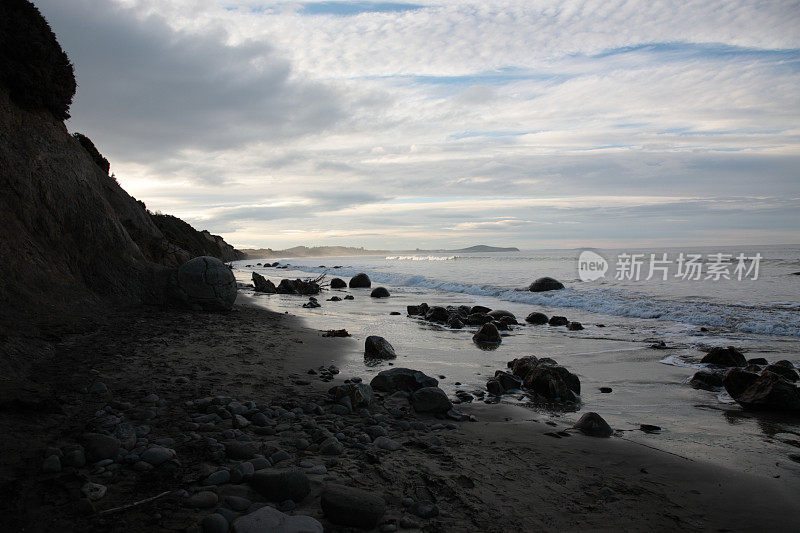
501,473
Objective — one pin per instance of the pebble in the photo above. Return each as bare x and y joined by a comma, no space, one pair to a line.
218,478
157,455
331,446
215,523
94,491
203,500
280,455
52,464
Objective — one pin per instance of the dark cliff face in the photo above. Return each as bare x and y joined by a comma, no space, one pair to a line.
71,239
195,242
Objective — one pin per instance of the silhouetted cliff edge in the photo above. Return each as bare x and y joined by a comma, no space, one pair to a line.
70,236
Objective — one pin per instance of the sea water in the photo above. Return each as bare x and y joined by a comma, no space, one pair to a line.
622,316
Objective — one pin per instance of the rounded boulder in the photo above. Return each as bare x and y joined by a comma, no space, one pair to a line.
360,281
207,283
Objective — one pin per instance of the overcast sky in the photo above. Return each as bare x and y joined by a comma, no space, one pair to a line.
449,123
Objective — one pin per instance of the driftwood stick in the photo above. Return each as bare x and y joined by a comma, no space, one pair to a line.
134,504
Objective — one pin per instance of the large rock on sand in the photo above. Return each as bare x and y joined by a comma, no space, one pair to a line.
430,400
545,284
376,347
348,506
770,391
270,519
360,281
338,283
207,283
729,356
488,334
262,284
536,318
593,425
402,379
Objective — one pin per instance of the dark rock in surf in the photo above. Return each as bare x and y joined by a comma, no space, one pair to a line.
262,284
360,281
338,283
553,383
574,326
401,379
706,380
770,391
437,314
494,387
783,371
454,322
593,425
758,361
729,356
488,334
736,381
376,347
558,321
479,309
536,318
478,319
522,366
545,284
508,381
379,292
497,314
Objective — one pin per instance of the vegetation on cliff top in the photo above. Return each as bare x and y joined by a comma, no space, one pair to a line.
33,67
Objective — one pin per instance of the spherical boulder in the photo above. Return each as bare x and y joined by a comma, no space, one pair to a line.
430,400
338,283
558,320
545,284
379,292
536,318
360,281
488,334
729,356
207,283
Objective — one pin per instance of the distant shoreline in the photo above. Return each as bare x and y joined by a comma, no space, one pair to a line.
345,251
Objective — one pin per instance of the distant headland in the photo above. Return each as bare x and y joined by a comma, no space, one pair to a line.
329,251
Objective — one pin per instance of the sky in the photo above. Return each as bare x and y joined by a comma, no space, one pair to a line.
441,124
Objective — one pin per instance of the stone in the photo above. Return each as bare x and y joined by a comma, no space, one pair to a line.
522,366
558,321
241,450
379,292
376,347
52,464
536,318
98,388
574,326
360,281
207,283
262,284
359,394
478,309
277,485
454,322
424,509
728,357
430,400
758,361
494,387
202,500
706,380
331,446
269,520
347,506
553,383
488,334
157,455
237,503
98,447
545,284
783,371
385,443
772,392
338,283
94,491
218,478
593,425
497,314
737,380
215,523
401,379
437,314
508,381
478,319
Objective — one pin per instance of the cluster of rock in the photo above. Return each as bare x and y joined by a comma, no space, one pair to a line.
286,286
753,383
264,460
539,319
457,317
544,380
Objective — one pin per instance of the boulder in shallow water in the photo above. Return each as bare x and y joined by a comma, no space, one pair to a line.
402,379
545,284
494,387
262,284
488,334
593,425
430,400
729,356
479,309
497,314
380,292
737,380
770,391
207,283
360,281
338,283
574,326
454,322
376,347
558,321
478,319
536,318
784,371
706,380
437,314
508,381
522,366
553,383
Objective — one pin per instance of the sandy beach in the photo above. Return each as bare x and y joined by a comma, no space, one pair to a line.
502,472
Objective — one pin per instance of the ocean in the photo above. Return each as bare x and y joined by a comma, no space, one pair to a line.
695,298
